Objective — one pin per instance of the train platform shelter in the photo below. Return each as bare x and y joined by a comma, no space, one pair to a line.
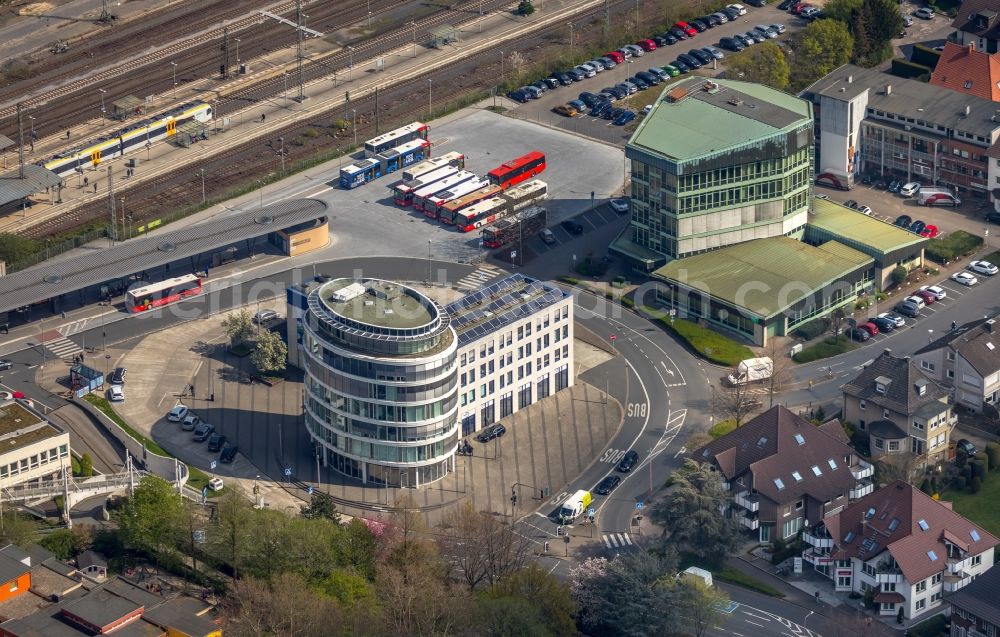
102,275
5,142
17,188
189,133
128,106
444,35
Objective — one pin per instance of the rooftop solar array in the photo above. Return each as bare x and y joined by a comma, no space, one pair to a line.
499,304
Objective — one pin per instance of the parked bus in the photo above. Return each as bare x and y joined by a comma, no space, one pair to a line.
159,294
526,194
434,203
487,211
396,138
447,183
446,213
448,159
360,173
402,192
515,227
400,156
518,170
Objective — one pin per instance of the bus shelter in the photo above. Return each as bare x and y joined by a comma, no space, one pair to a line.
444,35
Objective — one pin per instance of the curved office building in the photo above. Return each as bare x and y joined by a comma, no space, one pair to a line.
381,383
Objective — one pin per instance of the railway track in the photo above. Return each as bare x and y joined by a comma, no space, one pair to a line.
243,161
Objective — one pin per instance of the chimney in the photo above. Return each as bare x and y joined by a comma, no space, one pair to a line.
850,79
988,325
888,89
996,116
968,109
888,351
971,47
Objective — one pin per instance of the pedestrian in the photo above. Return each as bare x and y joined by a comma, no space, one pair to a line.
85,182
63,313
954,325
67,133
95,186
192,391
262,116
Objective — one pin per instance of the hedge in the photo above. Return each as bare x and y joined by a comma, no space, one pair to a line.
812,329
952,246
722,427
739,578
904,68
930,628
824,349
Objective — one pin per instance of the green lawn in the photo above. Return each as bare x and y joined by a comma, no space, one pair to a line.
824,349
713,346
979,507
722,427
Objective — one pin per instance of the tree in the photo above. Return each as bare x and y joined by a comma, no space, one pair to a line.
320,505
525,8
841,10
872,24
736,402
229,537
699,604
898,275
781,369
765,64
153,518
691,513
86,466
238,327
905,466
14,248
270,354
482,547
837,318
826,45
17,528
284,607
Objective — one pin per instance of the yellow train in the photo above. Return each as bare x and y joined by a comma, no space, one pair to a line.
128,139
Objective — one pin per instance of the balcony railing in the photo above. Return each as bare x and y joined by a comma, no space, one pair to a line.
956,566
861,490
888,578
817,558
747,500
751,523
819,540
953,583
862,470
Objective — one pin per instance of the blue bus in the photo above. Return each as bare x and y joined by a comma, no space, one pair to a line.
401,156
360,173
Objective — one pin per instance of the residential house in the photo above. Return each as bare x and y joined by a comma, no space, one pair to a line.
15,572
978,23
92,565
974,608
965,70
893,388
784,471
904,547
967,359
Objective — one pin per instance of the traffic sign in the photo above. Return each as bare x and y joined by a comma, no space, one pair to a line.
213,464
638,506
310,490
288,471
204,492
613,337
591,511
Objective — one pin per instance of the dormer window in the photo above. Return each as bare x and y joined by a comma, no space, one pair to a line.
921,387
882,385
968,83
879,388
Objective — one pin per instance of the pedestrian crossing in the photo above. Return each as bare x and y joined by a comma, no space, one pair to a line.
63,348
479,277
617,540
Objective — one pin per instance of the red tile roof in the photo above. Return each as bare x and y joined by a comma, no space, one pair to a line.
965,70
893,519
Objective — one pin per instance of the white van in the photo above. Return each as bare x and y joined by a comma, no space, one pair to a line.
910,189
937,197
700,573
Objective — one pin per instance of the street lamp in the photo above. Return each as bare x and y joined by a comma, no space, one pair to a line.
430,95
103,116
281,151
369,15
174,64
414,25
32,118
202,171
237,53
285,77
350,51
354,125
501,67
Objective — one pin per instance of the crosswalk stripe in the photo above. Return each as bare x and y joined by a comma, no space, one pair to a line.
63,347
607,542
478,277
627,539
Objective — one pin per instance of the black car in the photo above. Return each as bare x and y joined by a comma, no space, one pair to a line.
895,185
732,44
577,75
648,78
731,13
757,3
689,60
216,441
519,96
681,66
600,109
917,226
618,91
710,20
857,334
850,203
5,364
491,432
993,217
589,99
903,221
880,184
540,85
965,447
551,82
627,463
745,39
787,4
659,39
118,376
563,78
698,25
701,56
669,38
883,324
607,485
573,226
640,82
679,34
228,453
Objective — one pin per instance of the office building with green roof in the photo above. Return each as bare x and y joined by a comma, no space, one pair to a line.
716,163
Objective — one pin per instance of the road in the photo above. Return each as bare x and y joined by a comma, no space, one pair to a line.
751,614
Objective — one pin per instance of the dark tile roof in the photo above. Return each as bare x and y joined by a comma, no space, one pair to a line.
40,554
890,519
100,607
901,393
980,597
968,18
11,569
181,613
977,341
90,558
886,429
15,552
131,592
779,445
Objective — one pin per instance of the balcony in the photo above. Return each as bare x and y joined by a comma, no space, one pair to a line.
751,523
956,566
862,489
819,539
953,583
862,470
747,500
888,573
817,558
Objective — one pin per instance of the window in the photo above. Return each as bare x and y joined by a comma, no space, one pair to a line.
888,587
932,556
832,463
817,471
13,586
929,366
798,505
950,356
936,579
843,581
936,597
893,445
779,484
861,405
799,439
951,373
921,604
922,523
885,413
879,443
922,586
524,396
977,560
797,476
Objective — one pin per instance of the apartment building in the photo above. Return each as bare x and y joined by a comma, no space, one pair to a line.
867,121
31,448
903,547
966,359
784,471
974,608
978,23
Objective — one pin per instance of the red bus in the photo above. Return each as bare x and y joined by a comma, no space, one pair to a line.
517,170
446,213
481,214
159,294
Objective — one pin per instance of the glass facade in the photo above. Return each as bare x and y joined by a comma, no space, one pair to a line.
381,399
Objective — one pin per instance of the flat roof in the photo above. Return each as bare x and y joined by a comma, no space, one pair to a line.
100,608
43,282
378,303
910,98
499,304
20,427
5,142
765,276
715,115
180,614
36,179
853,226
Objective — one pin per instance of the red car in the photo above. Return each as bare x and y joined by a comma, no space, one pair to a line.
926,296
800,7
869,327
686,28
646,45
616,56
929,231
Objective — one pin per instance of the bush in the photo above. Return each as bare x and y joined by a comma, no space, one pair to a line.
86,466
967,472
976,485
722,427
930,628
978,470
993,453
824,349
898,275
812,329
904,68
952,246
959,483
715,347
792,549
926,486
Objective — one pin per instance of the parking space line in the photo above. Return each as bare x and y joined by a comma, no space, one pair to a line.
584,217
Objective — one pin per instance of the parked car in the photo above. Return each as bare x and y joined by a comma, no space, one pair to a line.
202,432
674,72
650,78
857,334
624,118
714,52
701,56
731,13
721,17
710,20
869,327
576,104
810,13
930,231
928,298
669,38
607,485
917,226
732,44
118,376
563,78
639,82
865,210
983,267
992,217
565,110
177,413
646,45
689,60
216,441
688,30
785,5
532,92
679,34
778,28
681,66
637,51
577,75
116,394
628,461
519,96
6,364
898,320
190,422
228,453
551,82
491,432
698,25
766,31
916,299
541,86
658,72
619,205
965,278
907,308
883,324
850,203
910,189
903,221
573,226
936,290
895,185
963,446
757,3
586,69
925,13
739,8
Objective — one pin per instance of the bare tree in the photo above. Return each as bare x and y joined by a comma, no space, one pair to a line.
904,466
837,319
699,604
781,368
286,606
481,547
736,402
516,61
